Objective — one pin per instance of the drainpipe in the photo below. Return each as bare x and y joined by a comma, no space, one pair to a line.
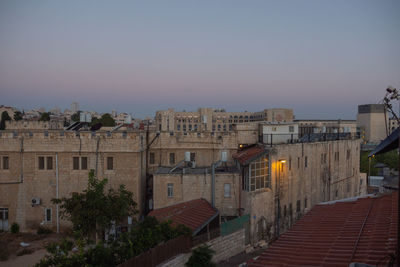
57,206
213,166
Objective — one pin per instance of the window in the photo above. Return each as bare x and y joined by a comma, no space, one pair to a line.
290,163
49,163
305,203
291,129
227,190
192,156
41,163
258,176
337,156
298,162
6,164
84,163
47,215
152,158
348,154
284,211
110,163
170,190
178,127
305,161
171,158
75,163
298,206
190,127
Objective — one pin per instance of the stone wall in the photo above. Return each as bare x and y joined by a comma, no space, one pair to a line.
224,247
24,179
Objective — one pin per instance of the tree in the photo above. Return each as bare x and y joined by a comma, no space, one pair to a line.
92,211
17,115
45,116
4,117
107,120
76,116
201,256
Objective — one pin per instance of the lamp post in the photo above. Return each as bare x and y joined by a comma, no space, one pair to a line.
278,185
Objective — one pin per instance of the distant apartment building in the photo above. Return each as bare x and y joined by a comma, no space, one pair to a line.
373,122
34,125
74,107
215,120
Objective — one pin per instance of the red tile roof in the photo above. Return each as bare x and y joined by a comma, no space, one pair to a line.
195,214
247,155
364,230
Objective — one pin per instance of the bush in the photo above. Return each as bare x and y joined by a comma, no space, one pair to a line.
201,256
15,228
43,231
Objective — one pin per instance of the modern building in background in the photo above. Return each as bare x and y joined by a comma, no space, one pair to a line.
373,122
74,107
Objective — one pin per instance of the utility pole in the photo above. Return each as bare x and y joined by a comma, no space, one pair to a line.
393,94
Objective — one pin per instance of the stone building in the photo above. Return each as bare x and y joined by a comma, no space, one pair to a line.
215,120
34,125
275,184
38,166
373,121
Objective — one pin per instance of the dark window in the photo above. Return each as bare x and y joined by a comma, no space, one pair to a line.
348,154
75,163
110,163
298,162
298,206
48,215
290,164
305,162
171,158
152,158
192,156
84,163
41,163
49,163
305,203
6,164
284,211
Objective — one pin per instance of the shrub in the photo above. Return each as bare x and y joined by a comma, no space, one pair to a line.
15,228
201,256
43,231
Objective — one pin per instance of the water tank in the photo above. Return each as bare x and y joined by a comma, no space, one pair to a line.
224,156
187,156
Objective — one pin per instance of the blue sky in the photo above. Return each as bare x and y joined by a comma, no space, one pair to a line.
321,58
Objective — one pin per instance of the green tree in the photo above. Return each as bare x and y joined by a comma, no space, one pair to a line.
45,116
4,117
93,210
201,256
76,116
107,120
389,158
17,115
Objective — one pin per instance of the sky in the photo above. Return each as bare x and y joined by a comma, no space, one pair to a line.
322,58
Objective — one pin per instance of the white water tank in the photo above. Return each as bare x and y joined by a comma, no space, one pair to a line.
187,156
224,156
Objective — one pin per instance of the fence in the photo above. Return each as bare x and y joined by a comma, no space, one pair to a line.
160,253
206,237
273,139
234,225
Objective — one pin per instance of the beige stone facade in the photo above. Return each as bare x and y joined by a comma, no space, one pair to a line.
36,160
311,173
373,121
215,120
34,125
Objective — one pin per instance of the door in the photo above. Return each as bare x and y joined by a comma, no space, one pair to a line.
3,219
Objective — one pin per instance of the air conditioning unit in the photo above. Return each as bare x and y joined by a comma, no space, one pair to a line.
35,201
192,164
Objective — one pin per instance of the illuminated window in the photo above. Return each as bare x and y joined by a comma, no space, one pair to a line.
258,176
